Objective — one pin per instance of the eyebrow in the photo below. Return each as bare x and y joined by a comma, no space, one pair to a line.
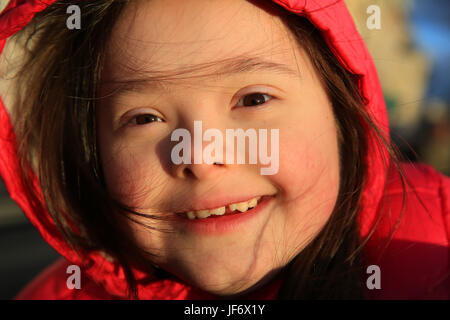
233,66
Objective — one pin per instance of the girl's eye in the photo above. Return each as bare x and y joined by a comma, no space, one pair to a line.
257,98
146,118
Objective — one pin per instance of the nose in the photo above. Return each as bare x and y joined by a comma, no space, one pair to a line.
192,160
201,171
203,159
201,164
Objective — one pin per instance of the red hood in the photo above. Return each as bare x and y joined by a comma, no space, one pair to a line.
330,16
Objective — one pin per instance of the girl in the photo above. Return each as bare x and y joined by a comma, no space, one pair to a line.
87,151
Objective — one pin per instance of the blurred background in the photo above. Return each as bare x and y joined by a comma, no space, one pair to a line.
411,49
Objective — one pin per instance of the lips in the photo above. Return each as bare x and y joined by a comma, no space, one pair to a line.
219,199
226,223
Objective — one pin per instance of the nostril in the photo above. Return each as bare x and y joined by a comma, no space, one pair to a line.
188,172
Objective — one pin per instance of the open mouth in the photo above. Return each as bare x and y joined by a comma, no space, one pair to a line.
233,208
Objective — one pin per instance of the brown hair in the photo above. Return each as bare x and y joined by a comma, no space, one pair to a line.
57,132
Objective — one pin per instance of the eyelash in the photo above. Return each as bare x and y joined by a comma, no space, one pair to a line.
257,92
151,115
133,119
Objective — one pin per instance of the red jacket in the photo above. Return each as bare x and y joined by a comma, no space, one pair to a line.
414,264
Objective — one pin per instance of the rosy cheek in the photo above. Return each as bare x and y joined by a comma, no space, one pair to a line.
308,179
307,164
128,174
296,164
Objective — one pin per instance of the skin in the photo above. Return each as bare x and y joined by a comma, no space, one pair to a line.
169,35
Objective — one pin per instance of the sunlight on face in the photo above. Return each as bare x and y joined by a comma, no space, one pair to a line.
166,39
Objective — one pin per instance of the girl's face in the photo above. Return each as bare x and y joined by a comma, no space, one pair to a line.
170,37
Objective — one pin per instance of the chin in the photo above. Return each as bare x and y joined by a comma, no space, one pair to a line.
226,283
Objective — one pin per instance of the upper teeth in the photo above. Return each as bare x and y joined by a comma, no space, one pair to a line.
241,206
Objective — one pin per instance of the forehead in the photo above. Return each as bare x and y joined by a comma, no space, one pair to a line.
169,35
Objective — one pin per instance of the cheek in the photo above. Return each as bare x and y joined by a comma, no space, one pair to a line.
130,172
309,159
308,180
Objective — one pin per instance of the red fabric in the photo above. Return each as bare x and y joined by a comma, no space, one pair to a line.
414,264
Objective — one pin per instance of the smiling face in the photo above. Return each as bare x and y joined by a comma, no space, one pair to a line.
168,39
